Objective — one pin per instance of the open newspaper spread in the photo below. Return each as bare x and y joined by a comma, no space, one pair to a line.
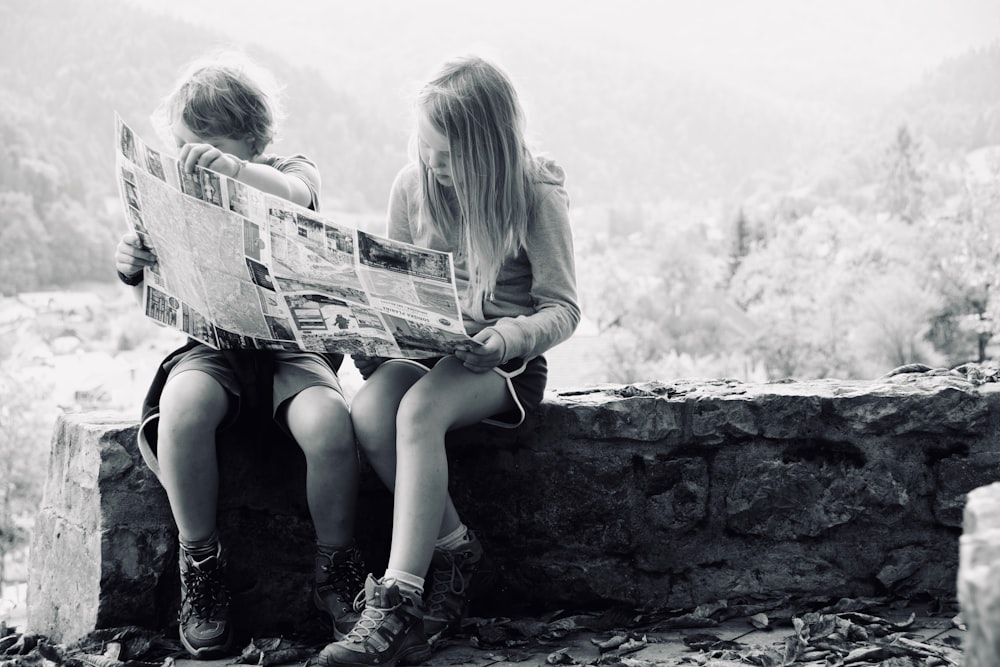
238,268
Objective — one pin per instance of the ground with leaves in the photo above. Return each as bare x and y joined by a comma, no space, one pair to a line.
818,633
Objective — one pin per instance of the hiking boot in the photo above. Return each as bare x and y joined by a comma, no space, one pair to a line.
340,576
205,623
390,631
447,598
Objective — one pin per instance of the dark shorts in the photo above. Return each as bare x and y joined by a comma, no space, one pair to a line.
293,372
525,382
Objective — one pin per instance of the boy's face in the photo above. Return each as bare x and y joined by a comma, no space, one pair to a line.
241,148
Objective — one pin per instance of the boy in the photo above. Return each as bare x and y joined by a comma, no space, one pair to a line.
221,115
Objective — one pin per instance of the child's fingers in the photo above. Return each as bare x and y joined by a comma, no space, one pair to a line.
208,156
479,358
367,365
197,155
130,264
214,159
135,240
182,156
131,255
477,364
222,163
145,255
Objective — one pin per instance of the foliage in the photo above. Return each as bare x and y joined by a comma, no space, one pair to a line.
957,106
805,287
766,633
24,455
657,296
24,238
903,187
965,259
836,297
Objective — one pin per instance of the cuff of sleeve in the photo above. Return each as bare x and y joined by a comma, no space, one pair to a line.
503,358
131,280
511,340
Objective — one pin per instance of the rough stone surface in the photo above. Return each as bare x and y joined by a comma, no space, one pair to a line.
657,495
979,577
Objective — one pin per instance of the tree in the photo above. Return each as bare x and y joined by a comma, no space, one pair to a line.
903,186
24,240
897,311
81,243
741,243
657,299
820,291
965,255
24,434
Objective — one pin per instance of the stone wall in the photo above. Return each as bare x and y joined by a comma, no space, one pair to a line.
979,577
658,495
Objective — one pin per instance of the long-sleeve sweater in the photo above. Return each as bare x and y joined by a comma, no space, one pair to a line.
534,304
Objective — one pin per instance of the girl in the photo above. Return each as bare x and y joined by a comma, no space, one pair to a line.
477,191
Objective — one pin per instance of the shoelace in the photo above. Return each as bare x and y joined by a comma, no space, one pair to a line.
205,591
345,575
371,618
359,601
448,581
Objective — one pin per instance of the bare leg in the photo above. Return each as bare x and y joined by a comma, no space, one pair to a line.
192,406
372,410
448,397
319,421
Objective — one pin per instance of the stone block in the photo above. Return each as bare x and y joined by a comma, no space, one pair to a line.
655,495
979,577
100,539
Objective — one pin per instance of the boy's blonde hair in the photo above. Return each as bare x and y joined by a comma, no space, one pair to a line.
223,95
474,104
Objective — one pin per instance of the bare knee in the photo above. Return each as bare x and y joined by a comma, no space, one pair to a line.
192,406
320,423
420,418
374,407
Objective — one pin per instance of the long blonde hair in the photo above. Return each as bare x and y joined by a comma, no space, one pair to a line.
474,104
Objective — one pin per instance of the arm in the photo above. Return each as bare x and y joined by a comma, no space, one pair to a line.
549,249
553,290
290,184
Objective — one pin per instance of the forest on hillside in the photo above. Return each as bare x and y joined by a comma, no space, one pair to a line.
718,232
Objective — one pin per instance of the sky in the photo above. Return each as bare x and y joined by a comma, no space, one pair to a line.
798,48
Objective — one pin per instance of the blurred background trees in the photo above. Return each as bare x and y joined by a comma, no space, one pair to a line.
720,230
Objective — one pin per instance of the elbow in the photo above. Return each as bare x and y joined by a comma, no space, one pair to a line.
573,316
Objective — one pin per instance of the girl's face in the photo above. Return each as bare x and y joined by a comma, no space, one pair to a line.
241,148
435,151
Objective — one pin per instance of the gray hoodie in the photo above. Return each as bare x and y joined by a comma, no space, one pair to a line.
534,305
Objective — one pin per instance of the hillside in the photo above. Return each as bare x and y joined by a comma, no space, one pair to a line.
79,62
646,135
957,105
628,132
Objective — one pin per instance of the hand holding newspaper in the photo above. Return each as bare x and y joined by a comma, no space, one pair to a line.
238,268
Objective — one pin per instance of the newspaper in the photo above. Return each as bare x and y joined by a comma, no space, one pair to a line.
238,268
